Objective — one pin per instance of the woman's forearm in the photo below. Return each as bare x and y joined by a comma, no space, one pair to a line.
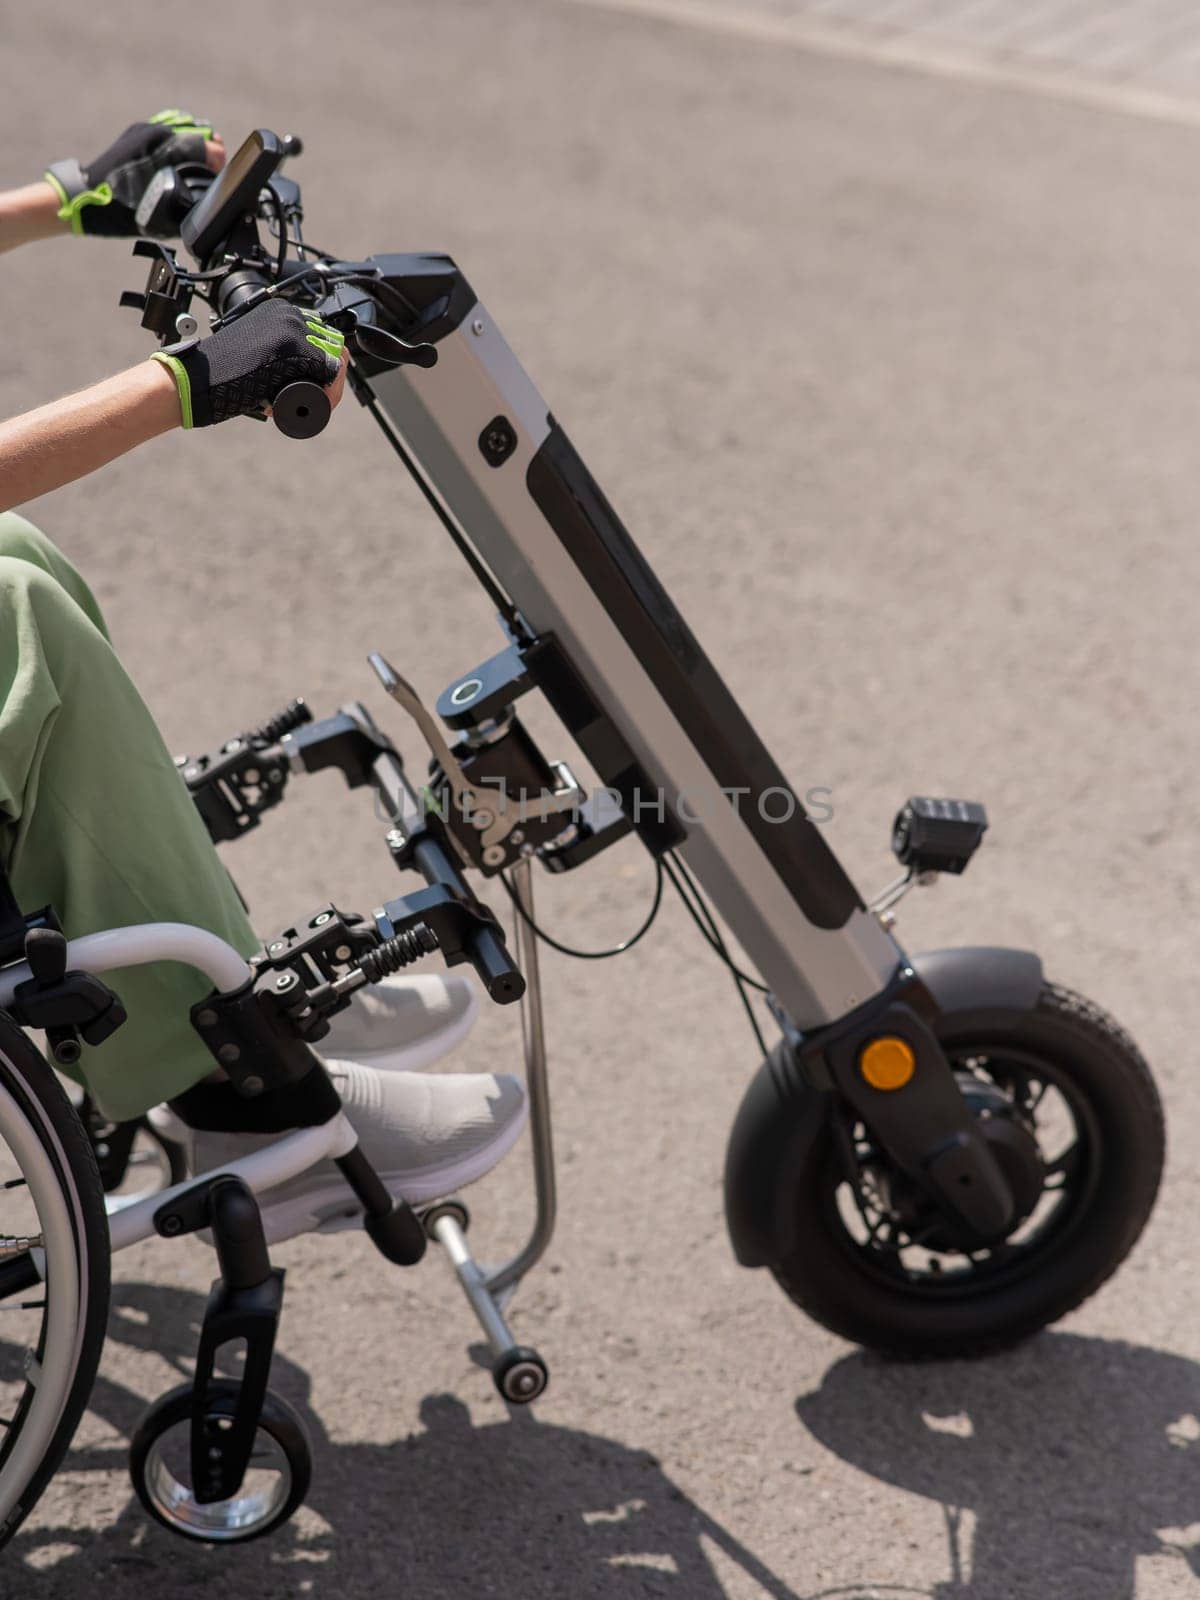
69,438
28,214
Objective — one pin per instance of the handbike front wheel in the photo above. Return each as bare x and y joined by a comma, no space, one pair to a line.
54,1274
1071,1111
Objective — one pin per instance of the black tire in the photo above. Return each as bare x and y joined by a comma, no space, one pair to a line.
859,1293
44,1104
279,1421
125,1150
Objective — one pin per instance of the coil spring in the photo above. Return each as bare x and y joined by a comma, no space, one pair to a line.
399,951
286,721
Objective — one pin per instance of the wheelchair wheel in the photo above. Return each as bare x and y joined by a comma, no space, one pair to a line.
54,1274
276,1480
134,1159
155,1163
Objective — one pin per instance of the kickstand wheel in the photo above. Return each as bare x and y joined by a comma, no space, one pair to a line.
274,1485
520,1375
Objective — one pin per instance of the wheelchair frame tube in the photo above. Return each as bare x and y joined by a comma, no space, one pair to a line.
543,528
131,1221
138,946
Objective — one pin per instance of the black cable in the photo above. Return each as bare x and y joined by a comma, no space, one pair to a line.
382,288
700,914
686,887
589,955
680,876
750,1017
282,216
494,592
315,250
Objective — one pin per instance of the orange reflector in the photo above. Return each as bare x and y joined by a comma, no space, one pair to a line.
887,1063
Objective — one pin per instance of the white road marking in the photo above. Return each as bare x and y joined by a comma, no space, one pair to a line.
883,47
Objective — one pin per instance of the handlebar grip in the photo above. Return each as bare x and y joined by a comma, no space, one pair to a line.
497,972
301,410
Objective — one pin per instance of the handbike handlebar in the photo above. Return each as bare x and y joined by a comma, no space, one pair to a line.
488,953
238,270
234,787
300,410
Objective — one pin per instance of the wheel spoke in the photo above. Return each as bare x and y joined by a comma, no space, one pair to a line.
880,1236
1000,1251
17,1273
1031,1105
1064,1166
920,1239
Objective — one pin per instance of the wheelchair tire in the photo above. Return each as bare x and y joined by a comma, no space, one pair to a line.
276,1481
54,1274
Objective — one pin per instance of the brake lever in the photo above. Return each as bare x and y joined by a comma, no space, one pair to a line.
389,348
403,693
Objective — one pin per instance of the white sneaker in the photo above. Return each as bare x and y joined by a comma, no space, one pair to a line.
427,1137
404,1023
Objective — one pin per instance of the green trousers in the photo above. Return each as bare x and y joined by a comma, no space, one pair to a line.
95,820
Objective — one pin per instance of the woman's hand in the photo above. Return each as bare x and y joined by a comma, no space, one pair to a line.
103,197
240,370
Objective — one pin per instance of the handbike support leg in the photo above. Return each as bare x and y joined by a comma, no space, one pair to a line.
519,1372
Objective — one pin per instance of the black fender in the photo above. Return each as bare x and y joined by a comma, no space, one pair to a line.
782,1116
981,977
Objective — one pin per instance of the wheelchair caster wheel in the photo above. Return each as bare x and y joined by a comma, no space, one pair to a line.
276,1480
520,1375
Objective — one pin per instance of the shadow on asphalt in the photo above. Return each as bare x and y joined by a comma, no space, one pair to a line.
514,1510
1074,1455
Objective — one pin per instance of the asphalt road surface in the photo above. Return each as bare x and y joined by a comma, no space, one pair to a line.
897,380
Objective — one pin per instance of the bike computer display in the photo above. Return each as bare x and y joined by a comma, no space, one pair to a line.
234,194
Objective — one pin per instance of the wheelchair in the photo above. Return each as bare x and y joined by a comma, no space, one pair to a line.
217,1459
938,1155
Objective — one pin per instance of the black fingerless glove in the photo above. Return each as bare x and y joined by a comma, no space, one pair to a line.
103,198
240,369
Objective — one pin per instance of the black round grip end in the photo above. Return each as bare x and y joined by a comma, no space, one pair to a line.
301,410
501,977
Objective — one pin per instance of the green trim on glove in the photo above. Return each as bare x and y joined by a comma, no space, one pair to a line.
181,121
326,338
72,205
182,382
63,198
103,197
